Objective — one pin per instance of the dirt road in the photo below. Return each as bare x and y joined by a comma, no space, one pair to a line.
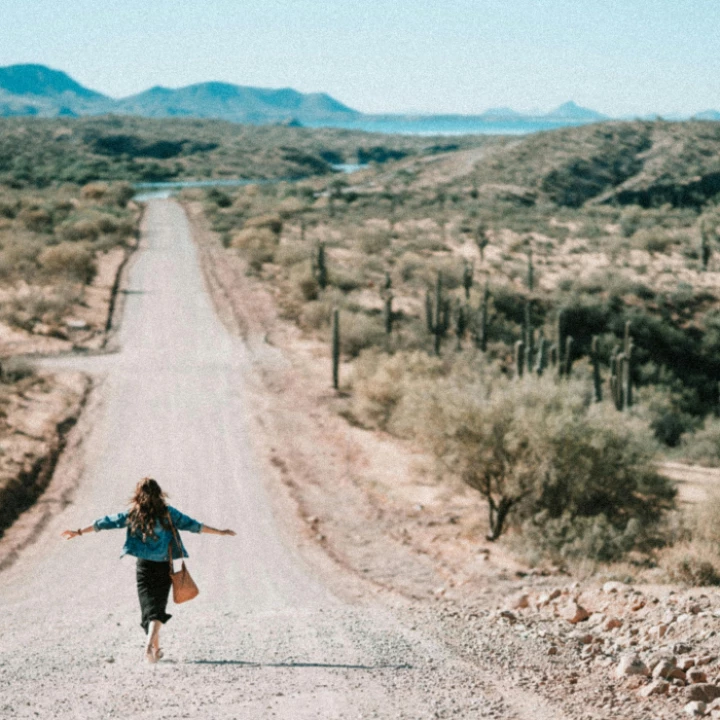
266,637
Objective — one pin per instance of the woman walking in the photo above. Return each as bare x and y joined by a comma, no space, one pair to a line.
152,535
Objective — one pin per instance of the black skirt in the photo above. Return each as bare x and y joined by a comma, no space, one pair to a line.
153,586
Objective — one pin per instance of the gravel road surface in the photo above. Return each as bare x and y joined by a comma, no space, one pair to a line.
266,638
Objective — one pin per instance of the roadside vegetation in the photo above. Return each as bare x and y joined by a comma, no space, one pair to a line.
52,244
542,313
61,247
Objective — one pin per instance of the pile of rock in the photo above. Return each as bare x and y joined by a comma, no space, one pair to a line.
659,645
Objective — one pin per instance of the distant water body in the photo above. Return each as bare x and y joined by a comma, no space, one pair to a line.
451,125
166,189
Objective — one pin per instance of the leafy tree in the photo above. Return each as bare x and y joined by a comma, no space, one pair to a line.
538,447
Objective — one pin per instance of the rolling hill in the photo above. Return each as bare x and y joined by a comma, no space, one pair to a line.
35,90
39,91
643,163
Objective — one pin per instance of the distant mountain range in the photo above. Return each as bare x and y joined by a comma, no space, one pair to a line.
36,90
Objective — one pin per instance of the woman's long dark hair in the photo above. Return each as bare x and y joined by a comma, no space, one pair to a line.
147,507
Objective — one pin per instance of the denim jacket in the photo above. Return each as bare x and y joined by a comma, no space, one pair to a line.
151,549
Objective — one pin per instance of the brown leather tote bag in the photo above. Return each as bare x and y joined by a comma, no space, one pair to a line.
184,587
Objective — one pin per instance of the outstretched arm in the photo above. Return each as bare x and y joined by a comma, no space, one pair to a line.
70,534
109,522
215,531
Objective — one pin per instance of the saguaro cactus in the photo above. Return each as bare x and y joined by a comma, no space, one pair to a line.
481,333
468,273
519,358
336,348
561,333
705,250
553,352
320,272
388,313
482,240
530,271
437,314
617,390
627,368
541,356
595,360
461,323
569,355
529,336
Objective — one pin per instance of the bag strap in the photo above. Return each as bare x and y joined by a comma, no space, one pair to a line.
177,540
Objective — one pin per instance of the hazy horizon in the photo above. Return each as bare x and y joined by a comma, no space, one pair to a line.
389,56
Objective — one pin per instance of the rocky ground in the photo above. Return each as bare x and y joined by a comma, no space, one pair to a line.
36,414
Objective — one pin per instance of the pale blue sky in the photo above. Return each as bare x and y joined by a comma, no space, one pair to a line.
617,56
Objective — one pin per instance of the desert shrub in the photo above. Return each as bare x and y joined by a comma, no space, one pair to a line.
575,538
691,568
703,446
15,369
308,287
292,253
653,240
536,446
258,245
120,193
291,206
19,257
94,191
8,209
314,315
631,219
75,261
80,229
695,559
669,425
359,331
451,271
347,279
272,223
410,266
666,411
426,243
25,308
107,223
220,198
380,381
36,219
374,240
